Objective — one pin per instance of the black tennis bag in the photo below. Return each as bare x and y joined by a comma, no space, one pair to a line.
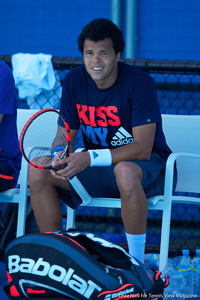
76,265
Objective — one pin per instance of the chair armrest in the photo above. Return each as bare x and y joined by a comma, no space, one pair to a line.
9,193
174,156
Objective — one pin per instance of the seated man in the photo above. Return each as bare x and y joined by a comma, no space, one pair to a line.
115,105
10,155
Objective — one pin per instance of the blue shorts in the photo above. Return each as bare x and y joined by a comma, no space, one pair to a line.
101,182
7,180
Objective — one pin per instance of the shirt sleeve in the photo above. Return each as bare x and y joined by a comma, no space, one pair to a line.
7,90
144,102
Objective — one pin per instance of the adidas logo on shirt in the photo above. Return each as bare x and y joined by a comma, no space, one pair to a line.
122,137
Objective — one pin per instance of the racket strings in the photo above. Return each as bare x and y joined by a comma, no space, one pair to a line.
43,133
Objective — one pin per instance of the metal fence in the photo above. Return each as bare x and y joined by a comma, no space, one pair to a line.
178,88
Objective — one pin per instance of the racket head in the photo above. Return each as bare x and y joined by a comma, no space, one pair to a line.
44,132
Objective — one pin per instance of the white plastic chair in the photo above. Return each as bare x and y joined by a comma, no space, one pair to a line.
182,133
19,195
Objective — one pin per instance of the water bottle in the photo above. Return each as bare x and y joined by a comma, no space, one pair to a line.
176,281
196,273
186,269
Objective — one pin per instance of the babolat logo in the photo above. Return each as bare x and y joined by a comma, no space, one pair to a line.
120,293
54,272
122,137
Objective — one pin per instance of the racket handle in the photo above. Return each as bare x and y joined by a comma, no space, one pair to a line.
81,191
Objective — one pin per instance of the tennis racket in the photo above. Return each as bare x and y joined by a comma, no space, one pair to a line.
45,139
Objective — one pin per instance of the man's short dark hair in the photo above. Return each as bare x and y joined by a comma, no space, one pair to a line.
100,29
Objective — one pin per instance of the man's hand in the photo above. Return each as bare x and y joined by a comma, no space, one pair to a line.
69,166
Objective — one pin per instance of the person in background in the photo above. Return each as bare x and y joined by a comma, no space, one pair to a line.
116,108
10,155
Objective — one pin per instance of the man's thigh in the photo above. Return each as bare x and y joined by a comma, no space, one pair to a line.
101,182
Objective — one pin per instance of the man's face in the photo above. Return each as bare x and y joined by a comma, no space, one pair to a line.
101,62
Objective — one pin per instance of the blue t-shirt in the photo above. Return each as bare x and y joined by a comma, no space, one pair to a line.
106,116
9,145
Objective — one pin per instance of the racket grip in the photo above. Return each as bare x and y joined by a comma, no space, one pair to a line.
81,191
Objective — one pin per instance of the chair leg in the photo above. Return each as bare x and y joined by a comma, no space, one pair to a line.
165,235
70,218
21,218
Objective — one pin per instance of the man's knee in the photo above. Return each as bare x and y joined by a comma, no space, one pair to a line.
128,175
37,177
125,169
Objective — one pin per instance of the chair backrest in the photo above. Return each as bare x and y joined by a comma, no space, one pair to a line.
23,115
182,134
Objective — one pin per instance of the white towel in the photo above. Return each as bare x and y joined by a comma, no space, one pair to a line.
47,99
33,73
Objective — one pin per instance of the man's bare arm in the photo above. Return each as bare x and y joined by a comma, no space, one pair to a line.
140,149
